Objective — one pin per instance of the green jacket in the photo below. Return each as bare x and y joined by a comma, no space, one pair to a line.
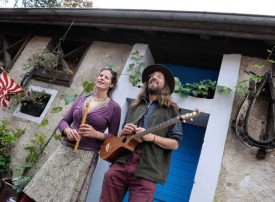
154,163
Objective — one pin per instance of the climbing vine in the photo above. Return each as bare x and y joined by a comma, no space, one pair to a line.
204,88
135,67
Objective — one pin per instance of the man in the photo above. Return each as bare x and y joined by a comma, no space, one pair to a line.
149,164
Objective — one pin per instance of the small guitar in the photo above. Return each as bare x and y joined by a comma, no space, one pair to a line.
114,147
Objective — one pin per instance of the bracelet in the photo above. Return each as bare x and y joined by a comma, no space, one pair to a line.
154,139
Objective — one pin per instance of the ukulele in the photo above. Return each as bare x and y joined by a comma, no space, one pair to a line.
114,147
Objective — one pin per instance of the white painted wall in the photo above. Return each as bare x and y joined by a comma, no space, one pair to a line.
219,108
209,165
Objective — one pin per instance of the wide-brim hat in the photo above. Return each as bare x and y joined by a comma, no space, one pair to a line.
169,77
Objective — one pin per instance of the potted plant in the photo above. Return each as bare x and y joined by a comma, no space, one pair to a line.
52,67
33,102
7,140
45,60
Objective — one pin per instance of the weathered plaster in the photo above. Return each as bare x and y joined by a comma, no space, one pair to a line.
99,55
243,177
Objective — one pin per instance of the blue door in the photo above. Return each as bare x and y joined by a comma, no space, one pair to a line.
184,162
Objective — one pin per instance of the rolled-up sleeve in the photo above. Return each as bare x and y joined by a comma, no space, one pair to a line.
176,132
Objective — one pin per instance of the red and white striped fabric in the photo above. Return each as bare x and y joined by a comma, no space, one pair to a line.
8,87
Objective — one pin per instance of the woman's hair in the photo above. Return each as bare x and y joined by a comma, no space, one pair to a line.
163,98
113,80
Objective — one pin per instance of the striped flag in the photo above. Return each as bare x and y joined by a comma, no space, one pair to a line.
8,87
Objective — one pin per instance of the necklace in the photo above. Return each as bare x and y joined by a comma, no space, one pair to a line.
99,100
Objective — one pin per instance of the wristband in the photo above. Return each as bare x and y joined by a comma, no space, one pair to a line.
154,139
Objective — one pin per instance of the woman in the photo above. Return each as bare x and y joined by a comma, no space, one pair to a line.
66,174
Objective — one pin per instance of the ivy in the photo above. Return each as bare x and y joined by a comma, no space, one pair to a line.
135,68
20,183
56,109
43,123
34,149
224,90
7,140
69,98
88,86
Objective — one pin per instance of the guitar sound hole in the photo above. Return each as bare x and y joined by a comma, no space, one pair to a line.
124,140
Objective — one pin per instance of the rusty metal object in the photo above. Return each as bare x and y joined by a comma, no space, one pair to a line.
265,141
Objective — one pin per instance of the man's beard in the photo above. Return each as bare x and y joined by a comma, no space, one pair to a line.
154,91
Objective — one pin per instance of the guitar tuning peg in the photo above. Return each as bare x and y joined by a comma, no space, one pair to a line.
191,119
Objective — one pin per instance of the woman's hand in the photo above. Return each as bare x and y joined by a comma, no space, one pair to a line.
87,131
72,134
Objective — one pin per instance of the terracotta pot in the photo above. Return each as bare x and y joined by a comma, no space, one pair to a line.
7,193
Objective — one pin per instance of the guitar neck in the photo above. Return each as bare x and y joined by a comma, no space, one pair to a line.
157,127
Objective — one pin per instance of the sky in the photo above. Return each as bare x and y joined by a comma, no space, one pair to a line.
263,7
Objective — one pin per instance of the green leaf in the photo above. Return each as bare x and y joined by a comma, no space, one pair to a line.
259,66
20,183
272,61
135,53
56,109
255,78
58,137
131,66
26,165
112,66
242,89
224,90
88,86
40,139
69,98
142,64
43,123
17,171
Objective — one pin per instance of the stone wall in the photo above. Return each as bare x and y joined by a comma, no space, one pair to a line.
243,177
99,55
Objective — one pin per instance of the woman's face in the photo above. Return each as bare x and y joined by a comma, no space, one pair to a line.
104,80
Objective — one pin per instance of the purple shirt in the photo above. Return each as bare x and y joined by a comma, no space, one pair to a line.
101,119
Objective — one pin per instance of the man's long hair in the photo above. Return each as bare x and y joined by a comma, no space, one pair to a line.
163,98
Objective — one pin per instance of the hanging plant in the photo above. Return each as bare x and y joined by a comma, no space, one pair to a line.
45,59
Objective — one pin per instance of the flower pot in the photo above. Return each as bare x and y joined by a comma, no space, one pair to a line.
7,193
34,109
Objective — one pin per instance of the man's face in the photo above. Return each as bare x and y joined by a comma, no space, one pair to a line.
156,82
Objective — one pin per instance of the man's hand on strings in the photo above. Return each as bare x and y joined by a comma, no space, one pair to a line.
129,129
